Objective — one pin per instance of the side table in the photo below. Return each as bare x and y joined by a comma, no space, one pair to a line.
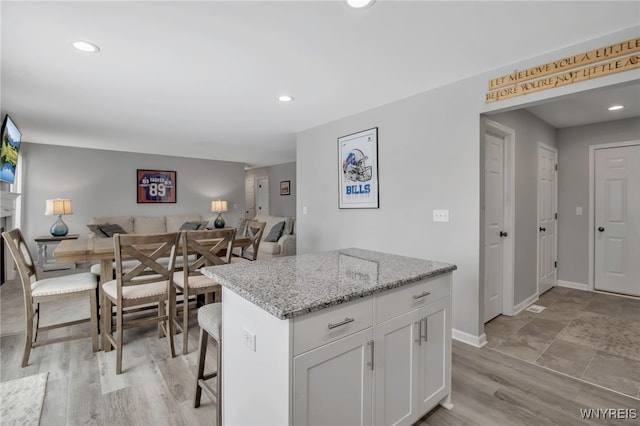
43,260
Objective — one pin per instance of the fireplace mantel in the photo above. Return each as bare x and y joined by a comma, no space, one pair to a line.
8,203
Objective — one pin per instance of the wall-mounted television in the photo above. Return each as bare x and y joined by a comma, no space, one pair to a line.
11,137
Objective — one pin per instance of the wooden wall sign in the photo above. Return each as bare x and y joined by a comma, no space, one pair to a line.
556,73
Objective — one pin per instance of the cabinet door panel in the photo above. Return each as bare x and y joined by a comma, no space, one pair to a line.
396,353
332,384
434,355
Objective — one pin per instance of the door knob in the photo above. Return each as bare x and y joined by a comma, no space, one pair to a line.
601,229
542,229
503,234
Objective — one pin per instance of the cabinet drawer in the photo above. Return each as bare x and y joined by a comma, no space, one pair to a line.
327,325
395,302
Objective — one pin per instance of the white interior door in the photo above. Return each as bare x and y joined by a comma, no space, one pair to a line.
262,196
617,220
547,217
250,197
494,231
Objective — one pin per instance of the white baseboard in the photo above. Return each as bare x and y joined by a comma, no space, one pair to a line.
576,286
523,305
469,339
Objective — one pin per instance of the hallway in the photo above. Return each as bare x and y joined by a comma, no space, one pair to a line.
593,337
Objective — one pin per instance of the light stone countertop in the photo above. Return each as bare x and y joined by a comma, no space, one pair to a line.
290,286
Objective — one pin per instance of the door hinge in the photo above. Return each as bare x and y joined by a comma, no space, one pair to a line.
555,215
556,167
555,264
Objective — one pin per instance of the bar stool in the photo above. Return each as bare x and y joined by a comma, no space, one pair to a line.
210,322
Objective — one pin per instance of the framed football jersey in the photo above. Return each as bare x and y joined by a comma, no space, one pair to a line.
156,186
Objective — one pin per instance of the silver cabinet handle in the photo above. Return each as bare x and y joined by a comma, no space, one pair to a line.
370,343
425,335
419,332
420,296
338,324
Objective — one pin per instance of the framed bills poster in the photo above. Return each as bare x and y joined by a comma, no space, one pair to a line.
358,164
156,186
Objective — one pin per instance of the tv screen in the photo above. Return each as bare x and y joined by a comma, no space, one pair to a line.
9,152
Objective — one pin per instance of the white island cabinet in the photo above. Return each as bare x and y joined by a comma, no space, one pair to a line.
349,337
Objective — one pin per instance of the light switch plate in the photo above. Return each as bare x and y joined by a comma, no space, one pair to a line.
249,339
441,215
578,211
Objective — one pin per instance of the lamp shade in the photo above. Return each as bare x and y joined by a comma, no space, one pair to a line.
219,206
58,207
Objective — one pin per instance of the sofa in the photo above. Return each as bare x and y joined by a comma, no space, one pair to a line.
284,246
146,224
143,225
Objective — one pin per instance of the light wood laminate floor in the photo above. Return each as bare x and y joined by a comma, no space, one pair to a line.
489,388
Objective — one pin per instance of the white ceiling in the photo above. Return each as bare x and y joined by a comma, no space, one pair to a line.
200,79
591,106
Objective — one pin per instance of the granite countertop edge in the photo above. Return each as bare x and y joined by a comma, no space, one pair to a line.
313,307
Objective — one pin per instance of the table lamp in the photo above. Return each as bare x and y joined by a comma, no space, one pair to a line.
219,206
59,207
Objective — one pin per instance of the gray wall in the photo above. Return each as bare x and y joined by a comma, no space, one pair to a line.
103,183
573,190
279,205
429,157
529,131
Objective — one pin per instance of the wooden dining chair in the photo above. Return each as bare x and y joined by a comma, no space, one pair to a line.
254,232
211,248
146,283
37,291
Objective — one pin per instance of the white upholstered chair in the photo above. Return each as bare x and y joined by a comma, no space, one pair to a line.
37,291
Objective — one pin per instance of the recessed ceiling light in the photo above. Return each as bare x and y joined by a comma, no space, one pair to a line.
285,98
615,107
359,4
85,46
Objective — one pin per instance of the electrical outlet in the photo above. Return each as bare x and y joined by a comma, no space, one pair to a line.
578,211
441,215
249,339
304,209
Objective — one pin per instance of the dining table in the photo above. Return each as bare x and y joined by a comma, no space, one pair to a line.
103,250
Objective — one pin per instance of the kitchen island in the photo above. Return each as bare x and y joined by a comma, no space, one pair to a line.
345,337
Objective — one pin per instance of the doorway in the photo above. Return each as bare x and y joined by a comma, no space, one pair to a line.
498,213
615,195
547,217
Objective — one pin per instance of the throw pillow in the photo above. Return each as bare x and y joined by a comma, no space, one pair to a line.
109,229
95,228
190,226
288,226
275,233
241,227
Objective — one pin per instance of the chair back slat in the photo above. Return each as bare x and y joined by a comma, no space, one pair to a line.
22,257
210,247
146,250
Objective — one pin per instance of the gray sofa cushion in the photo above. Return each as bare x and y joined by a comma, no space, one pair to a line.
125,221
110,229
175,222
193,225
97,232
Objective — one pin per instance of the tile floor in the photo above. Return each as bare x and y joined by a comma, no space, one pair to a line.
594,337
